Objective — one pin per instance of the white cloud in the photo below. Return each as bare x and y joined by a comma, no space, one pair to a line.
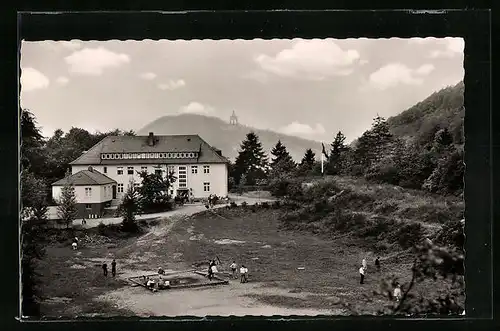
32,79
448,47
310,59
148,75
52,45
425,69
396,73
196,108
92,61
172,85
62,80
300,129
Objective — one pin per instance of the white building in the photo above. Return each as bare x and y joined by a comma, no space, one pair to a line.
93,191
200,169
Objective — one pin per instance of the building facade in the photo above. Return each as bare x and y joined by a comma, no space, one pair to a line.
200,169
93,191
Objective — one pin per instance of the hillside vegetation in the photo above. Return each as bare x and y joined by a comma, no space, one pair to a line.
442,109
225,136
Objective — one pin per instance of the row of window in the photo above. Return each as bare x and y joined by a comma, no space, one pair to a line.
130,170
206,187
114,156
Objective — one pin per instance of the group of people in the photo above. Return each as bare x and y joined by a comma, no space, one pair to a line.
397,291
113,268
212,200
364,267
153,285
243,272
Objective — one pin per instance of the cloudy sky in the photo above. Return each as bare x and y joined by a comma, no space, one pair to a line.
308,88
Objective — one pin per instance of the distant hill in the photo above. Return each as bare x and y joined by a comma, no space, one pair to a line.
225,136
442,109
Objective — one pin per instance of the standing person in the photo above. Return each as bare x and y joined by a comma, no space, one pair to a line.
242,274
210,272
362,275
233,269
246,274
377,263
113,268
105,269
397,292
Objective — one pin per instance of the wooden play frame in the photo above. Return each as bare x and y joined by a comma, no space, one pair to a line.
218,280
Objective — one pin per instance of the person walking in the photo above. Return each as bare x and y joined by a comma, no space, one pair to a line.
377,263
113,268
233,269
210,270
361,275
105,269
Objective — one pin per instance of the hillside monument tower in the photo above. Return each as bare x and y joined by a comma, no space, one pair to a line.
233,119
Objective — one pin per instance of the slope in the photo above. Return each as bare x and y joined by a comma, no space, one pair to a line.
442,109
227,137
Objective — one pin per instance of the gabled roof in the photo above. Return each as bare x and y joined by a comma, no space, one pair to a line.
138,144
85,177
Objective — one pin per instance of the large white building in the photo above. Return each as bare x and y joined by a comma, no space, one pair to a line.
200,169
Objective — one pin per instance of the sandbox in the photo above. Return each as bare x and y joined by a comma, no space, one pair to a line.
178,280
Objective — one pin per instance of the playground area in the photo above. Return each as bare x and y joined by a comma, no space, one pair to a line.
289,272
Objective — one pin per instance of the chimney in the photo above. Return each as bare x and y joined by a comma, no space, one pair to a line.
151,139
218,151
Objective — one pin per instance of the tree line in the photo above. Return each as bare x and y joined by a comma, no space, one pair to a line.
434,163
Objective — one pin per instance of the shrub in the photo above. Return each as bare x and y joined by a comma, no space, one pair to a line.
276,204
409,235
244,204
101,228
233,204
265,205
451,235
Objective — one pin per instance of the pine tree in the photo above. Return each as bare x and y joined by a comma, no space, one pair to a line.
308,159
129,207
336,154
251,161
66,208
282,161
372,144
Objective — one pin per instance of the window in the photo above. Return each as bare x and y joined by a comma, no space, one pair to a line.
105,170
119,171
130,170
144,169
206,169
194,169
120,188
206,187
88,206
182,176
88,191
171,192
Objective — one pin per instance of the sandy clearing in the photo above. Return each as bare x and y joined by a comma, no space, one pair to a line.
224,300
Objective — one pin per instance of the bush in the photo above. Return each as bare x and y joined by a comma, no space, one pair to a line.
276,204
409,235
233,204
101,228
244,204
451,235
265,205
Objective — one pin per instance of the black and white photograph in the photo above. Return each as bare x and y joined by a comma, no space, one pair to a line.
164,178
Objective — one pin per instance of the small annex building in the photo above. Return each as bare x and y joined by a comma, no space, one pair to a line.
93,191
